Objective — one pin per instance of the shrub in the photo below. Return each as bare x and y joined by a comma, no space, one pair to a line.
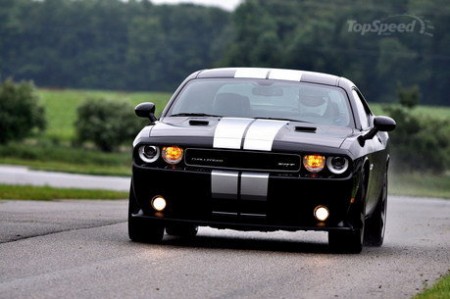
20,112
106,123
418,143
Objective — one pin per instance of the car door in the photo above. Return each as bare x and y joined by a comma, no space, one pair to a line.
375,150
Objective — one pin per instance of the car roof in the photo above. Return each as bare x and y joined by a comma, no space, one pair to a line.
276,74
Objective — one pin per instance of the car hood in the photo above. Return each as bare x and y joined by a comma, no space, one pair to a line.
246,133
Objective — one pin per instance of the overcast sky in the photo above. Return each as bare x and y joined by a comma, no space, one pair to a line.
225,4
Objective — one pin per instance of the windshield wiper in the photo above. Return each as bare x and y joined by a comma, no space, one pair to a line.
194,114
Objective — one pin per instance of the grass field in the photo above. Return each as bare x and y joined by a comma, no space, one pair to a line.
431,111
65,158
420,184
61,107
49,193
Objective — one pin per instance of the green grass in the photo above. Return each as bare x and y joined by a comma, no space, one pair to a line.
440,112
58,166
441,290
50,193
61,107
66,159
420,184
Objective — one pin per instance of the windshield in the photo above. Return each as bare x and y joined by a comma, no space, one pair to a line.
271,99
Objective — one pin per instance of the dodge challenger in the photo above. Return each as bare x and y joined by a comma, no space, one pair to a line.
262,149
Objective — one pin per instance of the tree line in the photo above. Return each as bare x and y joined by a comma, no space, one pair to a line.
136,45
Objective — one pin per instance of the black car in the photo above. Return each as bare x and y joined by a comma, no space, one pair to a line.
262,149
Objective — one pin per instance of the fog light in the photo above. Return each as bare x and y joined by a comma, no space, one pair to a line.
321,213
159,203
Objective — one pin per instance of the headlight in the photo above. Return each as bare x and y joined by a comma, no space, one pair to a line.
149,153
172,154
337,165
314,163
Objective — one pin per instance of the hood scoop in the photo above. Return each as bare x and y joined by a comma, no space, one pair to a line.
305,129
198,122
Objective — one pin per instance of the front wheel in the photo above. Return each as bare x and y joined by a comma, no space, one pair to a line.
352,241
145,230
376,224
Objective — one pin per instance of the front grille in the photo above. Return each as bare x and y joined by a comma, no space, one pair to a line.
249,160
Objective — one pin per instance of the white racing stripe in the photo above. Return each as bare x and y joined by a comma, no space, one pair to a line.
261,134
230,131
275,74
254,185
258,135
224,184
290,75
256,73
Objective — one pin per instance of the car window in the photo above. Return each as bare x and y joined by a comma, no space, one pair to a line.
297,101
362,113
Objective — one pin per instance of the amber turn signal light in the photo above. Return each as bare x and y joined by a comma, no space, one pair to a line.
314,163
172,154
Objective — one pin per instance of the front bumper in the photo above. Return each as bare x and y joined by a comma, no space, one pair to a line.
288,204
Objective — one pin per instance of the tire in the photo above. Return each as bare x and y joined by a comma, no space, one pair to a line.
182,230
376,224
142,230
349,241
352,241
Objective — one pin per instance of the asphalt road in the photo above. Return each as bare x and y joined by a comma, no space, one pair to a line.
80,249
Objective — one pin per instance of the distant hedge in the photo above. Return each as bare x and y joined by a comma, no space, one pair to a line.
20,112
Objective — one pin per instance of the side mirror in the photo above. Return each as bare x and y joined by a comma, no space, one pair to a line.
380,124
146,110
384,123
